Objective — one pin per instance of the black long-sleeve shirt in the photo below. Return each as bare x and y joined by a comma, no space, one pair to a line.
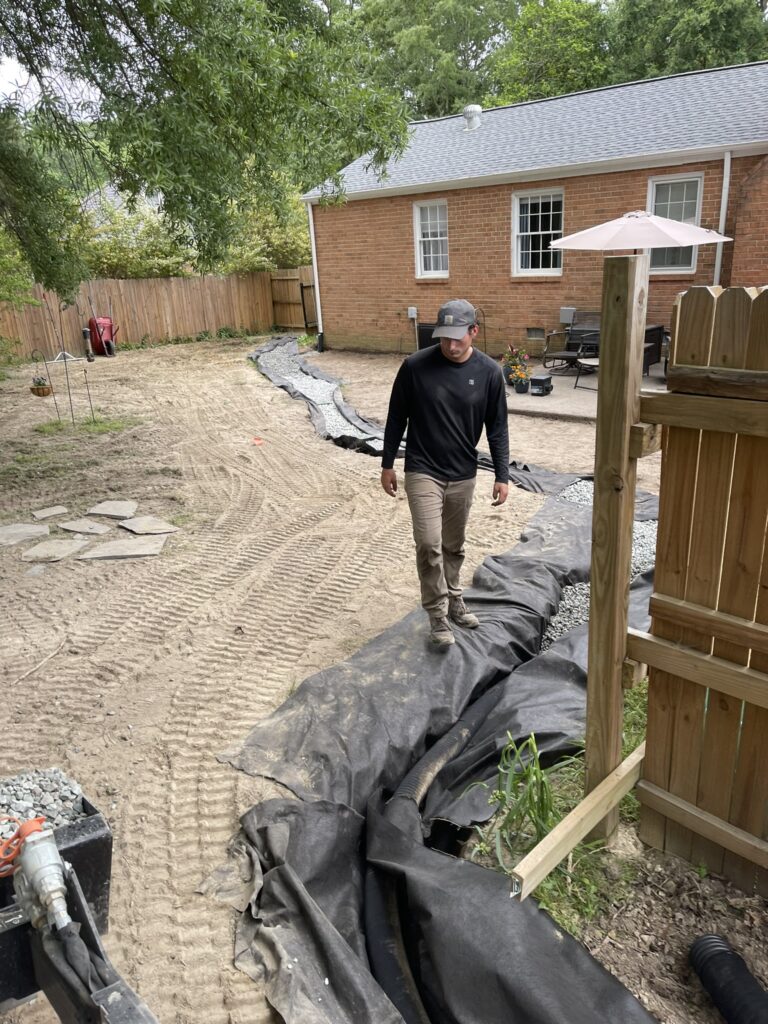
445,406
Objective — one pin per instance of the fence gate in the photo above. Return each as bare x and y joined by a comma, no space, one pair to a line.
293,298
705,775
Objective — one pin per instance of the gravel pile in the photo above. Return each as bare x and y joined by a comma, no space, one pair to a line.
286,364
574,602
580,493
48,793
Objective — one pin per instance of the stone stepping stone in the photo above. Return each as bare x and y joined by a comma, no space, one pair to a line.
46,513
15,533
54,550
132,547
148,524
84,526
114,509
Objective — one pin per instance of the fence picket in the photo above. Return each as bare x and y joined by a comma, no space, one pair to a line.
671,699
738,586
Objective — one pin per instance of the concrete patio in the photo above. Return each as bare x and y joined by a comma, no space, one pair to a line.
568,402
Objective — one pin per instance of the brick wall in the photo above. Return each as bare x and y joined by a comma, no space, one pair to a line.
365,252
750,253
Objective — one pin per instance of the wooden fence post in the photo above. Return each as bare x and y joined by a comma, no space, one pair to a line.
622,332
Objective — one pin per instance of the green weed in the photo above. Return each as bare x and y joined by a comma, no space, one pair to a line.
108,425
50,427
532,799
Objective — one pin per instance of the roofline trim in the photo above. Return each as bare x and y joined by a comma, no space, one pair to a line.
668,159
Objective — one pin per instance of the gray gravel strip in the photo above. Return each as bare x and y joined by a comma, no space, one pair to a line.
574,603
47,793
286,364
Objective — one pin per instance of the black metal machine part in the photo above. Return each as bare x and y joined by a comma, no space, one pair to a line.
107,1000
34,959
86,844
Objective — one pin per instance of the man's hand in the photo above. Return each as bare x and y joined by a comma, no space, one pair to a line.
389,482
500,492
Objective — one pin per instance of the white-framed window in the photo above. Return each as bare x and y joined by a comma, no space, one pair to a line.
537,220
430,236
677,196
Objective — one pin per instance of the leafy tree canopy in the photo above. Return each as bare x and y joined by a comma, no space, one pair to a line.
650,38
138,243
555,47
203,102
434,52
15,278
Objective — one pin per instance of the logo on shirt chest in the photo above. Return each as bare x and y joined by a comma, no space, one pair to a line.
471,381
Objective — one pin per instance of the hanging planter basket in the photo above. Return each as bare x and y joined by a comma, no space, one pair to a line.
41,390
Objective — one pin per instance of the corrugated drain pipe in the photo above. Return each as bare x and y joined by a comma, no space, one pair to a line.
734,990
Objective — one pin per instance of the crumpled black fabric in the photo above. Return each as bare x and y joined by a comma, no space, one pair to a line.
354,914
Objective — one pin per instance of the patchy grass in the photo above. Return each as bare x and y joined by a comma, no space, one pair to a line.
103,425
28,467
181,519
531,800
147,341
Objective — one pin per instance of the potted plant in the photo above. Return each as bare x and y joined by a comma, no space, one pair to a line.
41,387
516,367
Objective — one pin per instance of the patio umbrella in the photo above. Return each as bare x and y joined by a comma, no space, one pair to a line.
639,230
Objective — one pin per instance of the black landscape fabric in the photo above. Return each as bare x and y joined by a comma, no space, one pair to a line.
350,912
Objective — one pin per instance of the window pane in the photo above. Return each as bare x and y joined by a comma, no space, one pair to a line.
539,222
677,200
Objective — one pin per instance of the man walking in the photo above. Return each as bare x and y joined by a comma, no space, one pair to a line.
445,394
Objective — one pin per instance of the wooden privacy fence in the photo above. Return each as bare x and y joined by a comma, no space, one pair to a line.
705,778
165,307
702,774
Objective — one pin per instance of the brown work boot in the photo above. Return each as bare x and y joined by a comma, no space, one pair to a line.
440,632
457,612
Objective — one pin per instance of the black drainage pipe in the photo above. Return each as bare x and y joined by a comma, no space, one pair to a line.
734,990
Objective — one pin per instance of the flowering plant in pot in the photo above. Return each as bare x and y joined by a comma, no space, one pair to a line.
41,387
516,367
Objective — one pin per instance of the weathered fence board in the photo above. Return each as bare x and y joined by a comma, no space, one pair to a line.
166,307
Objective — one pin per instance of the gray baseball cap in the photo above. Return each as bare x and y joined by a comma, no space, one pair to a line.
454,319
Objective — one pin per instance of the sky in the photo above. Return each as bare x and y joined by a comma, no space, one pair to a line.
12,77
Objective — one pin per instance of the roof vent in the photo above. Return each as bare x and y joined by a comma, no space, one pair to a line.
472,115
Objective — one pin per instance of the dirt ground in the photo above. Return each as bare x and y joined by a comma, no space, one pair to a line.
288,558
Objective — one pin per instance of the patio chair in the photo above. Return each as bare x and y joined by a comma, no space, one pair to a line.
579,338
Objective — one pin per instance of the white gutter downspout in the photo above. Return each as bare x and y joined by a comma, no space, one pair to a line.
723,213
316,275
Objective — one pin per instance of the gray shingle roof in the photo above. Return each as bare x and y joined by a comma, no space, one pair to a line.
725,108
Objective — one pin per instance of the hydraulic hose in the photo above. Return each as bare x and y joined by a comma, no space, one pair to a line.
732,987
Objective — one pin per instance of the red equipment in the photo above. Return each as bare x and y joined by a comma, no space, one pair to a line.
103,334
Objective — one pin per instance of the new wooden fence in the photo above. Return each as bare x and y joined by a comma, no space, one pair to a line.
159,308
702,774
705,777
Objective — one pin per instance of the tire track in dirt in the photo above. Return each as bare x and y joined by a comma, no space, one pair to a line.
290,564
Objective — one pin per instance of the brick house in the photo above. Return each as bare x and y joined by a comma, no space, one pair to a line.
470,208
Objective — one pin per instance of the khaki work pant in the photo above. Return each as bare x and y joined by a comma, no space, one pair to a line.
439,510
